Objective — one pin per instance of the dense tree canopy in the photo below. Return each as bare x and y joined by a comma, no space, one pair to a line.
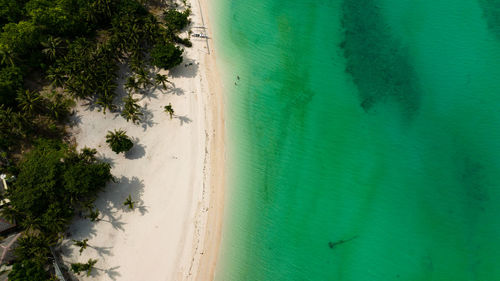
11,81
176,20
52,180
28,270
166,55
10,11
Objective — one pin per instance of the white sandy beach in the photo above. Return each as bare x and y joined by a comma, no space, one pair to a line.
174,172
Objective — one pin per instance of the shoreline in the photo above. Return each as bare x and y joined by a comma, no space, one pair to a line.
213,235
175,173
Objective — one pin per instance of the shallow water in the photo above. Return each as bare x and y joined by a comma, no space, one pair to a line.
364,139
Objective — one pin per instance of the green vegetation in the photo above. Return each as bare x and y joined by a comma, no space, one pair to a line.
161,80
82,244
52,180
131,109
129,203
52,53
166,55
93,215
28,270
83,267
119,141
176,20
169,109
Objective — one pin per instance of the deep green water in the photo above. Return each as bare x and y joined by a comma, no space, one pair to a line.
373,122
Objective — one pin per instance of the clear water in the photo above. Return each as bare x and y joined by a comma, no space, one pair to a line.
364,139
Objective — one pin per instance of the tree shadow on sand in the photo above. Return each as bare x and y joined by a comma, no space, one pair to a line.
111,208
137,151
147,118
183,119
111,272
120,190
175,91
188,68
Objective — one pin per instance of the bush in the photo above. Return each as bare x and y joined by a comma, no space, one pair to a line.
166,55
176,20
19,38
10,11
119,141
52,180
28,270
11,80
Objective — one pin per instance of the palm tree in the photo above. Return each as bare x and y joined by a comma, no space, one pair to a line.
93,215
79,267
11,215
8,56
81,243
106,101
56,76
161,79
131,109
169,109
128,202
143,78
54,225
30,223
119,141
59,105
131,84
33,246
29,101
51,47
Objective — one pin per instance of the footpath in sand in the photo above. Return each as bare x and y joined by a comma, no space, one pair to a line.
171,173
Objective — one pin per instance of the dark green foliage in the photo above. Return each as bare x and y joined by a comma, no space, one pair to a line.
52,180
83,244
28,270
11,81
13,127
10,11
131,109
81,267
161,80
129,203
33,246
29,102
87,70
57,17
175,20
169,109
119,141
59,106
93,215
184,41
17,40
166,55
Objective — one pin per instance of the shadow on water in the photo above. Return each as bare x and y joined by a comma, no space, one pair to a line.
491,14
378,64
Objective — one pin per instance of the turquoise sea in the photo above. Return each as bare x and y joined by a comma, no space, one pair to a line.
364,139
